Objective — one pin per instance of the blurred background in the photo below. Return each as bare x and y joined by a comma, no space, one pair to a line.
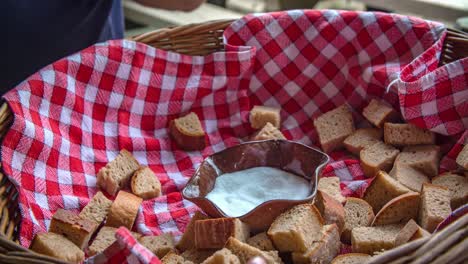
140,19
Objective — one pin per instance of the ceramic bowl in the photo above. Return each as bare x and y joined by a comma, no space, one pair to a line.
286,155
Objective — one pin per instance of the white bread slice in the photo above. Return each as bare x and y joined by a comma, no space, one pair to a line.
97,209
261,115
331,186
245,252
159,245
457,185
406,233
378,112
372,239
123,210
434,207
351,258
377,157
406,135
261,241
214,233
382,189
357,213
222,256
409,177
322,251
117,173
73,227
145,184
462,158
57,246
424,158
331,210
333,127
362,138
399,210
296,229
187,241
268,132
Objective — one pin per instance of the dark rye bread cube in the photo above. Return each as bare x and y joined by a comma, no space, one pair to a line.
379,112
377,157
334,127
73,227
407,134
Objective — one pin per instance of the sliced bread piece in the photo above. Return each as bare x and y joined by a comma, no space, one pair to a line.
268,132
145,184
123,210
362,138
187,241
322,251
117,173
378,112
261,241
197,256
296,229
374,238
97,209
159,245
377,157
187,132
410,177
462,158
213,233
331,186
421,232
222,256
351,258
105,238
407,134
399,210
457,185
424,158
334,127
73,227
245,252
382,189
434,207
174,258
261,115
357,213
331,210
57,246
406,233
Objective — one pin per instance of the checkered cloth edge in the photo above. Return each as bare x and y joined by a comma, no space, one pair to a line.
76,114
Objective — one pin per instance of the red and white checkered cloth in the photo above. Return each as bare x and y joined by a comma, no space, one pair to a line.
75,115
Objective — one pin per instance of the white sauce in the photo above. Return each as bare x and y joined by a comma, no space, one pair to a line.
239,192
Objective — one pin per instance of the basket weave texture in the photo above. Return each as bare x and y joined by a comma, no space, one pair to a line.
206,38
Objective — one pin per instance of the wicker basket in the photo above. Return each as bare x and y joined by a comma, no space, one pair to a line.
202,39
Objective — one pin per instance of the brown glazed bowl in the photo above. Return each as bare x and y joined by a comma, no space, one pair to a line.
286,155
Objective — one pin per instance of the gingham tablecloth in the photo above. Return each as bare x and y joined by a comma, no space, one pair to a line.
76,114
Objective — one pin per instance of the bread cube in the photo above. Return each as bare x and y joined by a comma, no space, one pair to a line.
159,245
261,241
222,256
322,251
296,229
245,252
420,233
382,189
197,256
124,210
377,157
334,127
372,239
399,210
117,173
462,158
407,134
351,258
145,184
173,258
73,227
187,132
57,246
268,132
457,185
261,115
406,233
357,213
409,177
213,233
104,238
331,186
434,207
362,138
331,210
378,112
424,158
187,241
97,208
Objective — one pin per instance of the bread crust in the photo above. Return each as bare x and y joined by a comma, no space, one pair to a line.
399,205
124,210
186,142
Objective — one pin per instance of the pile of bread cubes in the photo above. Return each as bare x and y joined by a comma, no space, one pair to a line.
406,199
